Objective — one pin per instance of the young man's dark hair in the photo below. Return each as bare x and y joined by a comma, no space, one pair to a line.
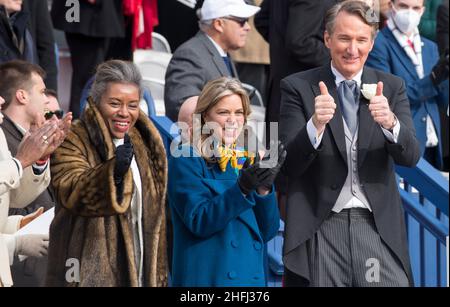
17,75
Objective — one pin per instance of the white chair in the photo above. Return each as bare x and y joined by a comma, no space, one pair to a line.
160,43
152,64
142,55
152,70
156,88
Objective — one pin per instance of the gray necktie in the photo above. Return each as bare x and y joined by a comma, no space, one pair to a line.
348,99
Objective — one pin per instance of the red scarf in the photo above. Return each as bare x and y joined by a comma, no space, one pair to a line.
142,38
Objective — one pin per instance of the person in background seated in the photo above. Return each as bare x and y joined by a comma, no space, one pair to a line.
223,27
185,117
221,196
53,106
109,179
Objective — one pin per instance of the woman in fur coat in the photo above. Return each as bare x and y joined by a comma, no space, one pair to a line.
110,179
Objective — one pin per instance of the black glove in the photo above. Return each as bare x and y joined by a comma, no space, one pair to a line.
249,178
261,173
124,156
271,171
440,70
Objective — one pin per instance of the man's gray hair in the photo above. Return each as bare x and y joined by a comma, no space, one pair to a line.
205,25
352,7
115,71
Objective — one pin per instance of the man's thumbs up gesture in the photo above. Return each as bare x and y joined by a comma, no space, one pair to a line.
324,109
379,108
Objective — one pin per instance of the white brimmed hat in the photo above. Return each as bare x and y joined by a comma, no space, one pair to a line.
213,9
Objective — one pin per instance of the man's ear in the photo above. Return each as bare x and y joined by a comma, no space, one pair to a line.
218,25
326,39
21,96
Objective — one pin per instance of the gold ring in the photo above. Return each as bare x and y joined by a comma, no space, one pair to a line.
45,142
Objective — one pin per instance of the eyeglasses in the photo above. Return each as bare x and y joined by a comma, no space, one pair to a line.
240,21
59,114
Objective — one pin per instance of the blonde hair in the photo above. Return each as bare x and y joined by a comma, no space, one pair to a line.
213,92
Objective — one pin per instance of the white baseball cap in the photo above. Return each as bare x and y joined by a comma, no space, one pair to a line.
213,9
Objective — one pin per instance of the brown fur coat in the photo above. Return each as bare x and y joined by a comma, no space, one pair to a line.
90,227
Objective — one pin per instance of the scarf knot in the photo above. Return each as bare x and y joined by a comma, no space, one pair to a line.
234,155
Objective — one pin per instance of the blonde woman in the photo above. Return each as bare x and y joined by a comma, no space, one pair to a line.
223,205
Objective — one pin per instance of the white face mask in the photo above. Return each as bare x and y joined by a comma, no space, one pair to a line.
406,20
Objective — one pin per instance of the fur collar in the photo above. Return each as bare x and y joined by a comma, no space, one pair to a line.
101,138
143,133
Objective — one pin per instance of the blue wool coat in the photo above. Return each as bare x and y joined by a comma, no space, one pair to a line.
218,233
424,98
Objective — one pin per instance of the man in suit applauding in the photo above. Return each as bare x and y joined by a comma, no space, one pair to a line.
345,126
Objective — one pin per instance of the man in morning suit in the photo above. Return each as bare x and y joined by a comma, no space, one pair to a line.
345,224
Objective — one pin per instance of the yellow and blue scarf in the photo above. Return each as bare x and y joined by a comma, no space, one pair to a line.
235,155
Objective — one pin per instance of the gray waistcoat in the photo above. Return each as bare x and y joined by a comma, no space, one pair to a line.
352,186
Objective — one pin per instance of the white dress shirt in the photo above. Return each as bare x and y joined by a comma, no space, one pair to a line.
219,49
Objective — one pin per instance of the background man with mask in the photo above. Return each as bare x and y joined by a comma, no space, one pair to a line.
399,49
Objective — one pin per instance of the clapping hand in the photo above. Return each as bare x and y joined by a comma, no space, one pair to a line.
271,165
262,174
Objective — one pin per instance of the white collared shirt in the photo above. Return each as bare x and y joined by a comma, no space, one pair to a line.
219,49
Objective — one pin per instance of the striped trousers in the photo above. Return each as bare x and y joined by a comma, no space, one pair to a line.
347,251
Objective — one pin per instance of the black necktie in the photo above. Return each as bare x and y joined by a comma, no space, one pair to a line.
349,103
227,61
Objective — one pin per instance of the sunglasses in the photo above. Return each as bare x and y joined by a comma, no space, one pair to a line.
240,21
59,114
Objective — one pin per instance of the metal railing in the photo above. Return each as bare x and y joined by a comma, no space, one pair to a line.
424,192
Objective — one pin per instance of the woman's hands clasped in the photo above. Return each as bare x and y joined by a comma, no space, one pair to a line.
261,175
